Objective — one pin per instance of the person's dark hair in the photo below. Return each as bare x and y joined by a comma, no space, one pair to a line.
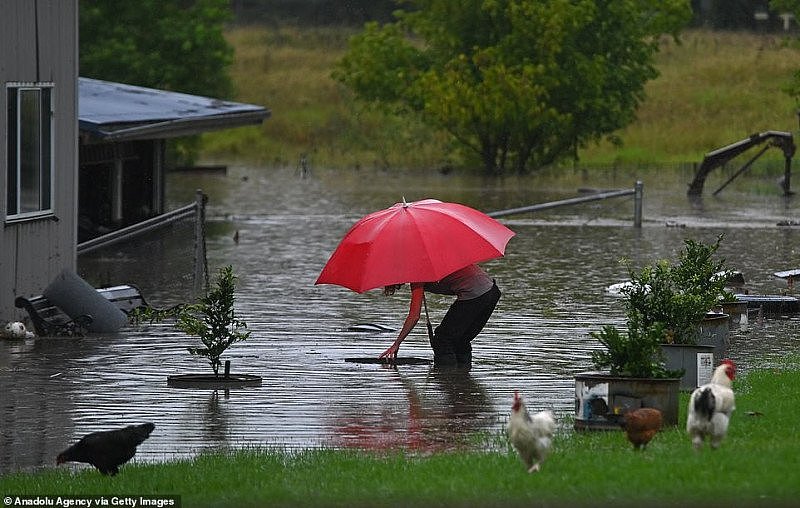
390,289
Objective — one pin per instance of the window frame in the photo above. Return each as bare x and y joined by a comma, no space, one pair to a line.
43,174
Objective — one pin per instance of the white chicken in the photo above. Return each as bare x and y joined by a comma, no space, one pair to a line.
710,407
531,436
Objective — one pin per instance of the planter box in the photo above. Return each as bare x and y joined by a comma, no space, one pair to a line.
601,399
697,363
714,330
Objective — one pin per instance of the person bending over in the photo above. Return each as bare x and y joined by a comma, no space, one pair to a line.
476,298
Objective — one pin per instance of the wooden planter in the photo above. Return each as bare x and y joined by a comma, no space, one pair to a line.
697,362
601,399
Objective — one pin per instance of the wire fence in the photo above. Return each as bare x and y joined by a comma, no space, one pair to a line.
165,256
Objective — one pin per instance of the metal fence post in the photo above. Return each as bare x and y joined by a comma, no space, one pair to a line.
637,204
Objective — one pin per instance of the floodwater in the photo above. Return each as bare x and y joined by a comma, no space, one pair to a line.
553,279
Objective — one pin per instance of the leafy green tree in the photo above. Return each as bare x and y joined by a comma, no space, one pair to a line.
173,45
521,83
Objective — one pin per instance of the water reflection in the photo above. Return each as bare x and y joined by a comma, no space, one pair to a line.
436,413
215,419
553,278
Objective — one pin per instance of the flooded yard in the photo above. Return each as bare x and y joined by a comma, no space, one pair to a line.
553,280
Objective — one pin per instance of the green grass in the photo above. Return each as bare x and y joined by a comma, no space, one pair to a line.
714,89
758,464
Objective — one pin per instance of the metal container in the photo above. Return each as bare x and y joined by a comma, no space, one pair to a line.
697,363
737,312
602,399
714,330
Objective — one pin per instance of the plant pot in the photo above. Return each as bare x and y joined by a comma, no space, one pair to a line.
212,382
696,361
601,399
714,329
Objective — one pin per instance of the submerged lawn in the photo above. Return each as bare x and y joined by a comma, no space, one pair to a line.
758,464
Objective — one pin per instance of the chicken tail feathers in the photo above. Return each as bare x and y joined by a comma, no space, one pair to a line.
705,404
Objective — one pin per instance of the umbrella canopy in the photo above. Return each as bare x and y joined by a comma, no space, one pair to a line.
421,241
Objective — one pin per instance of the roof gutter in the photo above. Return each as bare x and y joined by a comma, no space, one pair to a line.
175,128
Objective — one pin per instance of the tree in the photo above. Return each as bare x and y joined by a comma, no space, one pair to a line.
521,83
213,320
175,45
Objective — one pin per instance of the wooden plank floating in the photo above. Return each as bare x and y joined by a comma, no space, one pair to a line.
369,327
409,360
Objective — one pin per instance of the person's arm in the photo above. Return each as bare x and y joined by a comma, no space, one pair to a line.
414,311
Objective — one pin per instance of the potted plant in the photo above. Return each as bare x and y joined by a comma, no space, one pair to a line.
213,320
678,296
632,375
646,364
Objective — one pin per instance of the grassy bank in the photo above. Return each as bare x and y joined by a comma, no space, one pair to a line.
714,89
288,70
758,464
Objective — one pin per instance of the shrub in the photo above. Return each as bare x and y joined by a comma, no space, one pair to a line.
665,304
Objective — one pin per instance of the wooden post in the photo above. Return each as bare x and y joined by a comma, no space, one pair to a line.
787,177
637,204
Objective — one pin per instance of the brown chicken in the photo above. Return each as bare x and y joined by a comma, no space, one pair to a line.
641,425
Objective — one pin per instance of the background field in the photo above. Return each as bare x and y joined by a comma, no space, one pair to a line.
715,88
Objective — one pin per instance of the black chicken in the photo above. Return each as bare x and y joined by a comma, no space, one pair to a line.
109,449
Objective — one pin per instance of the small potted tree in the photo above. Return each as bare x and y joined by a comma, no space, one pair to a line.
213,320
679,297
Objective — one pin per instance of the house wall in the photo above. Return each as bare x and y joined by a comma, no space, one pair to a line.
40,44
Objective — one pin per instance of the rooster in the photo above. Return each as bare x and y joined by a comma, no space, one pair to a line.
531,436
641,425
710,407
109,449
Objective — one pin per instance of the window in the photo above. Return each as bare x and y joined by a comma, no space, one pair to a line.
30,151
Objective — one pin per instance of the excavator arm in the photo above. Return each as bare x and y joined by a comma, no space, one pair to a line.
721,156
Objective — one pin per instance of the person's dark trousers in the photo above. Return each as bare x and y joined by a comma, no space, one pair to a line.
463,322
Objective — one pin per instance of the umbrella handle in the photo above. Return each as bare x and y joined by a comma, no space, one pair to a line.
427,318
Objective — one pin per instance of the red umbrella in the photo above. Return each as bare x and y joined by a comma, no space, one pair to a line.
421,241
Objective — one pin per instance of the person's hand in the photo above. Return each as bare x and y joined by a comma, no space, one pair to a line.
391,353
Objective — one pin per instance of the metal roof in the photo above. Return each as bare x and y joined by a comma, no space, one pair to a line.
110,111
